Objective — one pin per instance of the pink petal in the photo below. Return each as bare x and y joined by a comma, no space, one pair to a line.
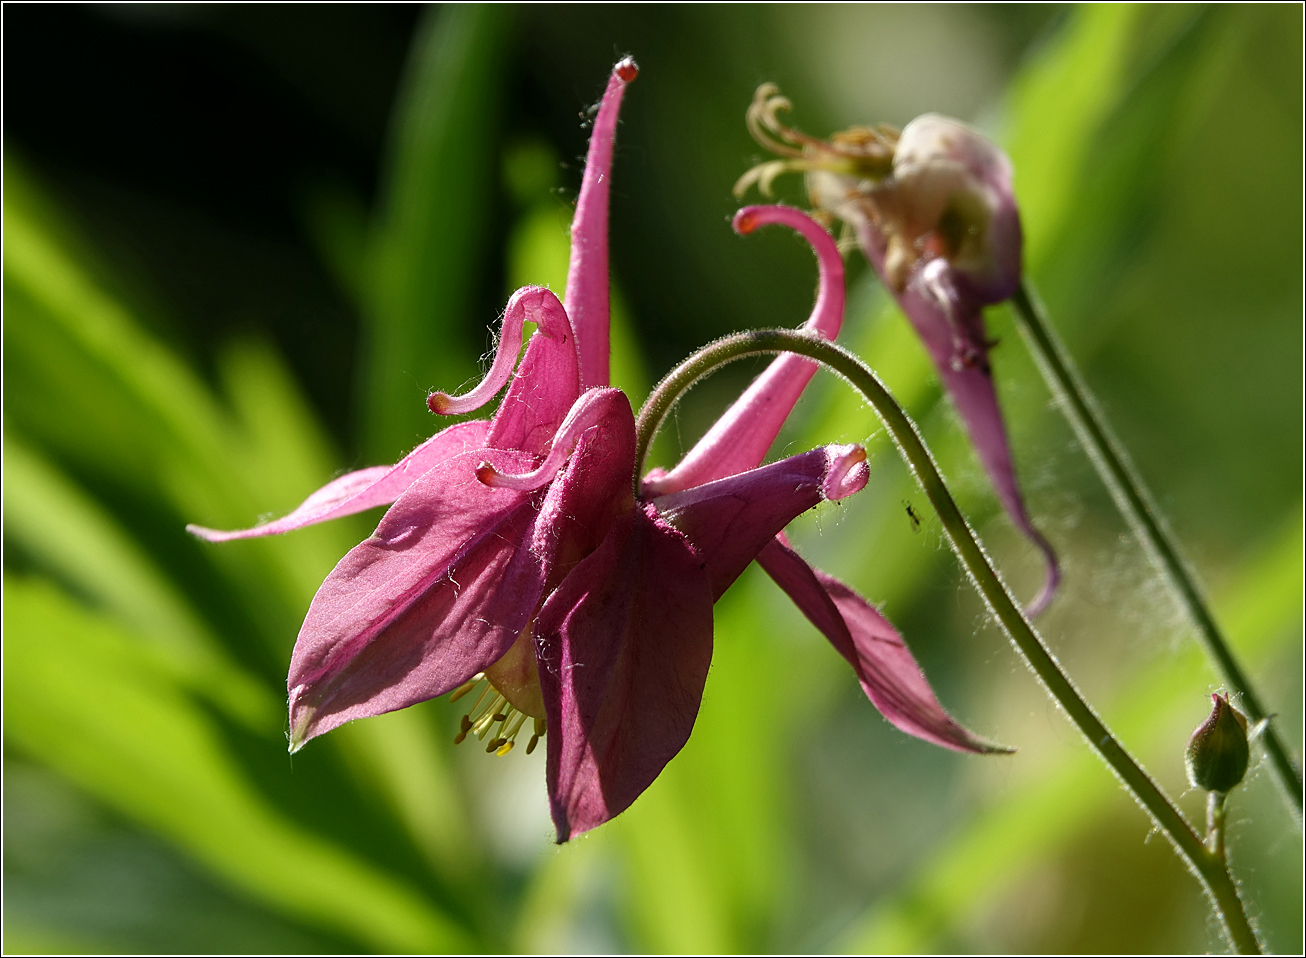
976,400
592,491
740,439
729,521
593,410
587,274
525,305
440,591
624,646
547,381
885,668
366,488
948,319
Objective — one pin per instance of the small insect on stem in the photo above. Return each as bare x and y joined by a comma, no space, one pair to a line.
912,517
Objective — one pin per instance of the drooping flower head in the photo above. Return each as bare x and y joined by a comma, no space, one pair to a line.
933,210
447,586
521,556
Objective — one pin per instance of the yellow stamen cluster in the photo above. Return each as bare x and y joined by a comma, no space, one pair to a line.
492,708
861,151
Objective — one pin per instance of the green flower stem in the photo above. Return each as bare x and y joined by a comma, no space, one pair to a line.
1136,505
1215,806
1210,871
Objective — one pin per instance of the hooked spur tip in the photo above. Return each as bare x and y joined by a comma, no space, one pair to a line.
486,474
438,403
745,221
847,473
626,68
1052,578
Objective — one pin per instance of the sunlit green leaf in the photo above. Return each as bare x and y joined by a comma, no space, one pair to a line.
64,530
92,701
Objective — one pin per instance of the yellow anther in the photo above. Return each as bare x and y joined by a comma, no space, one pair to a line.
541,726
507,736
493,707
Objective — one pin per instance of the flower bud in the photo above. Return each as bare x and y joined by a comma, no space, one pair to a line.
1218,752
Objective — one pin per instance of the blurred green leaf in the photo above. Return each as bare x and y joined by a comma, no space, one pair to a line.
82,376
75,869
67,532
86,382
88,698
402,755
553,903
103,395
1057,103
21,938
430,240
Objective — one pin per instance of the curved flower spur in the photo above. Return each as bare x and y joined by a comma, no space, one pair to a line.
933,211
518,556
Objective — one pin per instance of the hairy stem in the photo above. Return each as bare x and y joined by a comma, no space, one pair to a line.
1211,872
1215,806
1136,505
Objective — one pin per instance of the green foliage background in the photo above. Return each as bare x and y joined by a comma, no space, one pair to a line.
148,801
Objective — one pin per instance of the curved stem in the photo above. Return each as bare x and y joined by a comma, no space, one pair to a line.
1136,505
1168,819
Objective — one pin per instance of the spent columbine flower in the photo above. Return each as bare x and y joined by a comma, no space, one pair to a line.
518,557
933,211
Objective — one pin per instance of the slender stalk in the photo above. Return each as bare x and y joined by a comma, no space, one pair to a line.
1136,505
1215,806
1210,872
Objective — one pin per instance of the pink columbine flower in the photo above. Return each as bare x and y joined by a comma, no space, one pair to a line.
933,210
447,586
519,559
623,642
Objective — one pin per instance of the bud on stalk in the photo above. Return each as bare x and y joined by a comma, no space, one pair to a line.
1218,752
